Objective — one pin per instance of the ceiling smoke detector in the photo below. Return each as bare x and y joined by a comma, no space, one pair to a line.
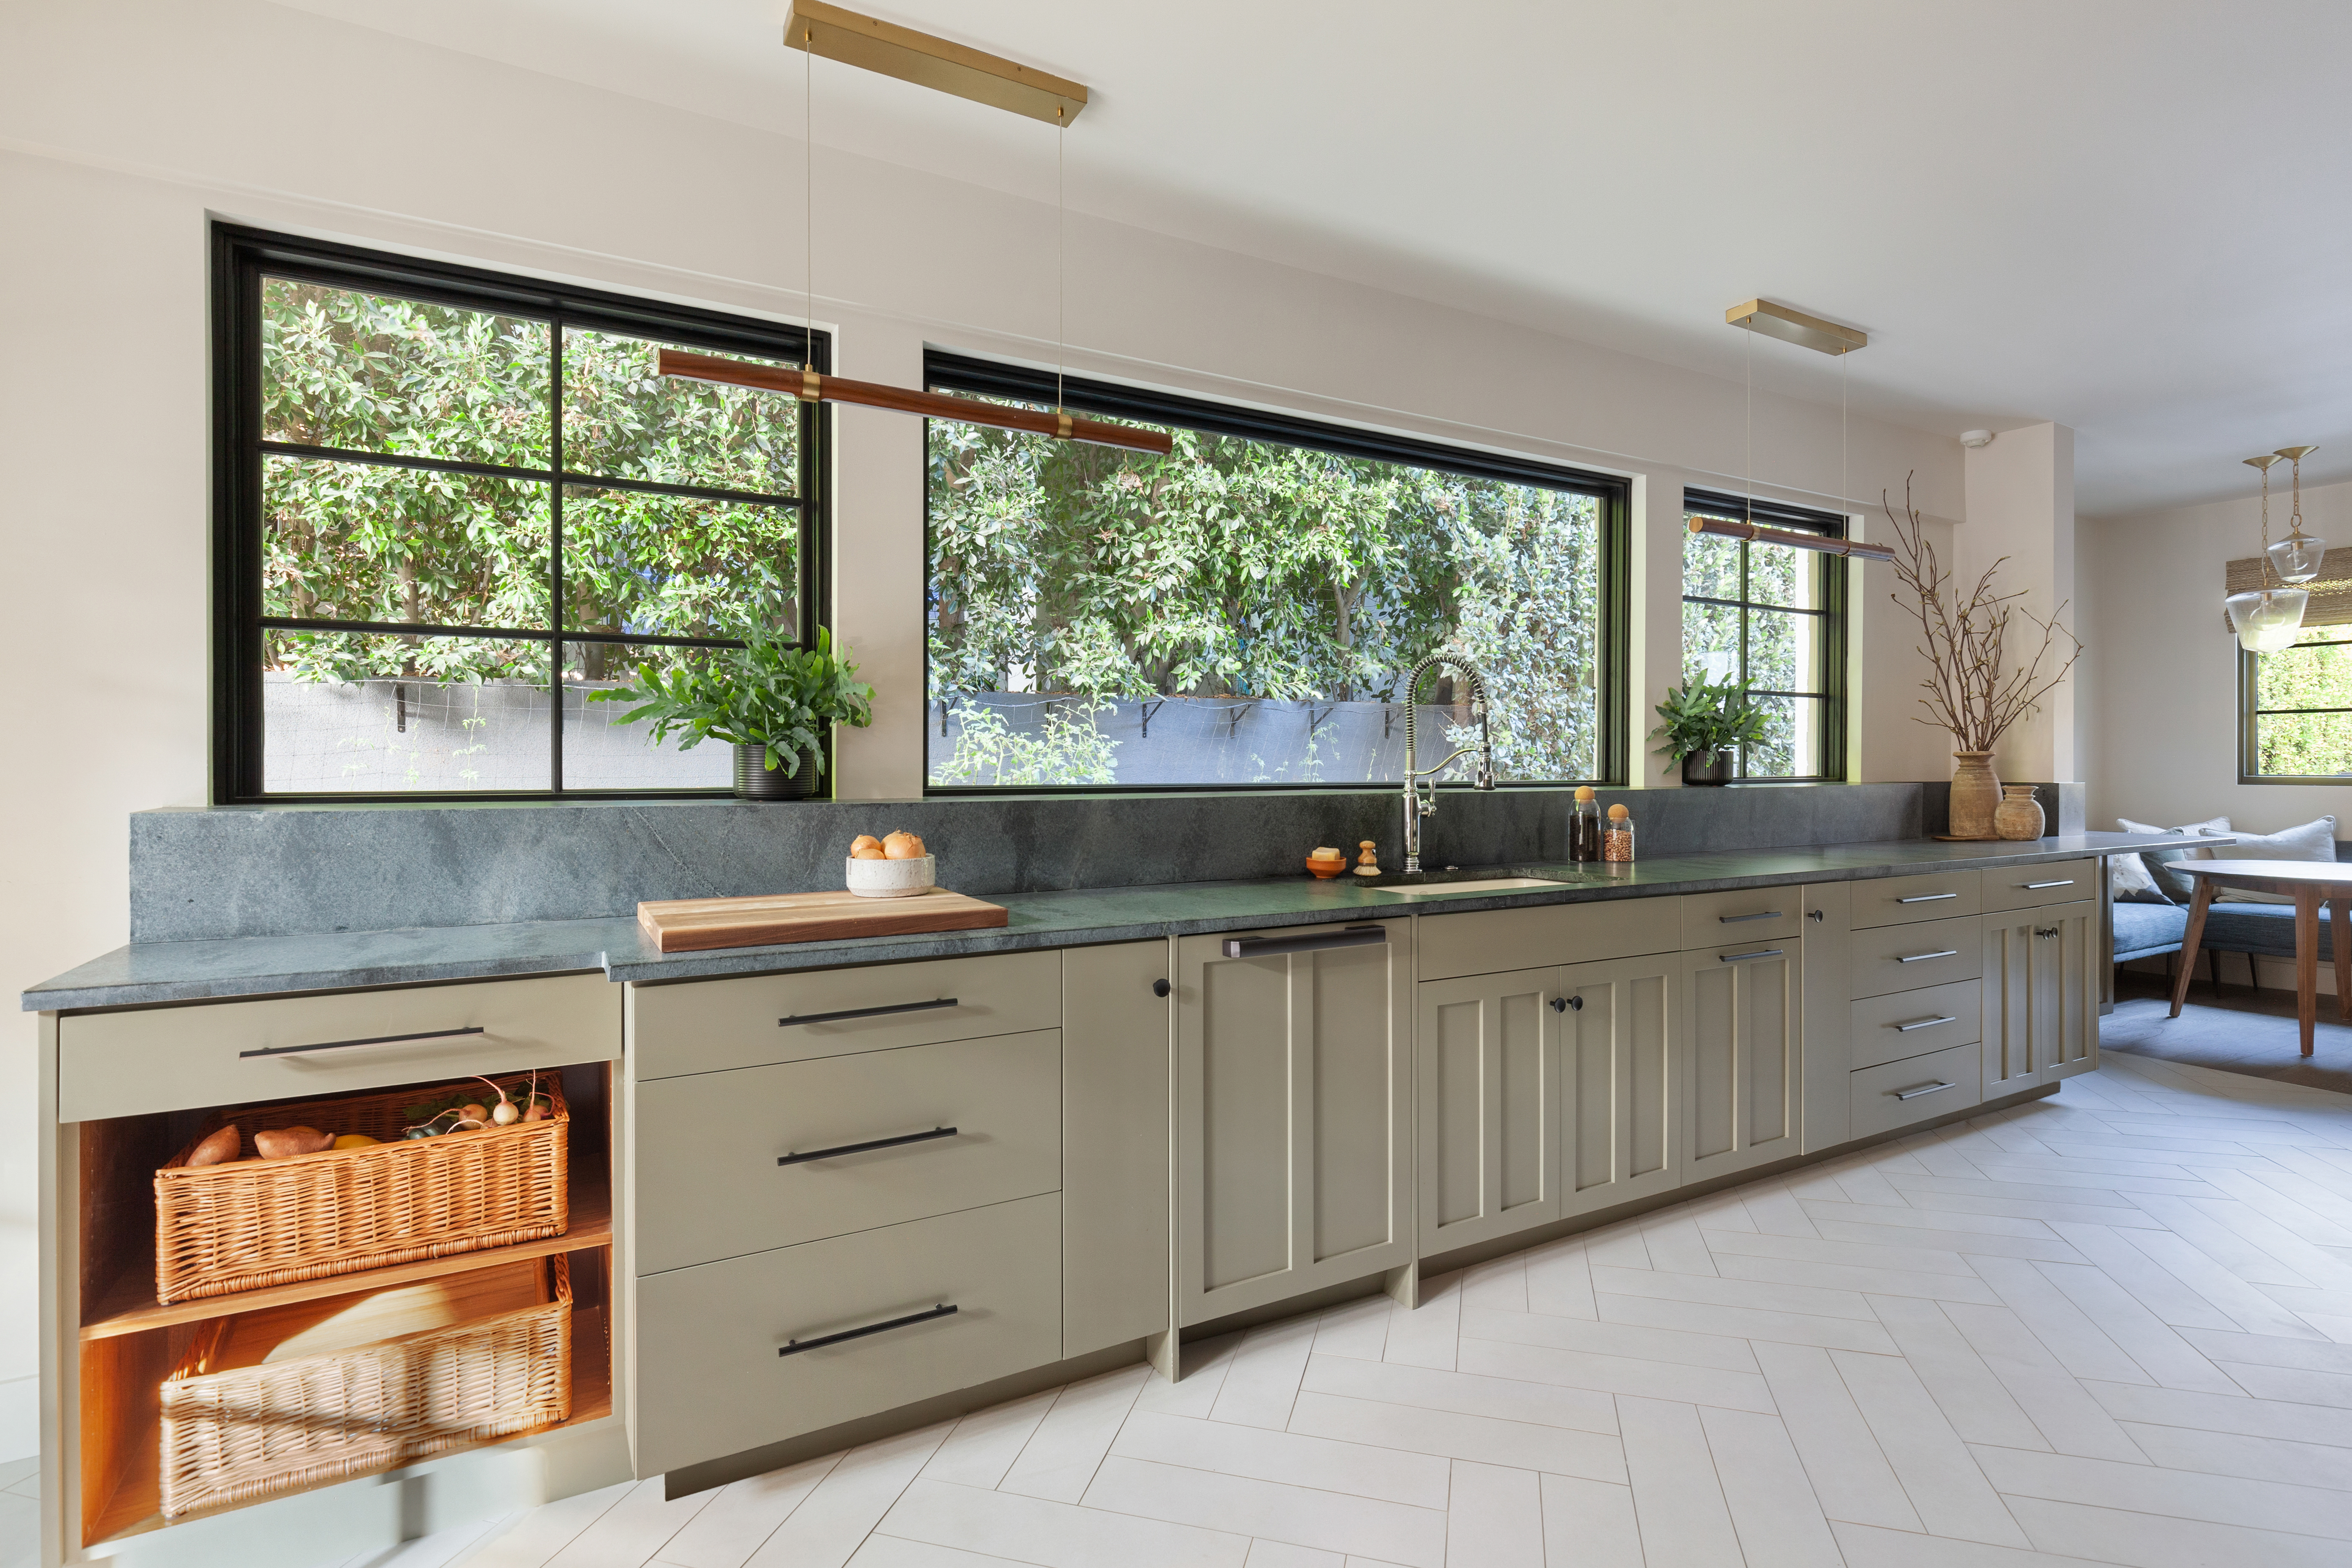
1976,437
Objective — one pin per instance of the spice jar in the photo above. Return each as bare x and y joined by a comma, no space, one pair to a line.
1584,825
1617,838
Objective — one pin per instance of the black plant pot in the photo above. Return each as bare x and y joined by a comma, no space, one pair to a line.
1706,768
755,781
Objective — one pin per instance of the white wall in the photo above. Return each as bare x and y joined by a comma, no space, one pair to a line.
2164,743
125,128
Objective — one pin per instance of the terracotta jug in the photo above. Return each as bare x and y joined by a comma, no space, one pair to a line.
2019,815
1976,791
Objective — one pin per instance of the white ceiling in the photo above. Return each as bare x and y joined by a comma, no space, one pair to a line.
2126,216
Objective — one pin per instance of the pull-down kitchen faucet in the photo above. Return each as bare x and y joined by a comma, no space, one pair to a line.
1415,805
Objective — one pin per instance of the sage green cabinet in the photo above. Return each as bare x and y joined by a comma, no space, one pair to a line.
1622,1133
1740,1055
1486,1106
2041,995
1292,1114
1117,1017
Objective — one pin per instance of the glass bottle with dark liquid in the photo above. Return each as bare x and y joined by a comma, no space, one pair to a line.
1584,825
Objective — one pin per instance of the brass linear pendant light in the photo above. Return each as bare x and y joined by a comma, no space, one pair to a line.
1829,338
819,29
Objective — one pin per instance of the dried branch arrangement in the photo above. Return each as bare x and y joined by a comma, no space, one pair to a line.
1967,641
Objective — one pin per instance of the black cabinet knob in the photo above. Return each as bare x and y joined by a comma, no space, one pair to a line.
1160,988
1562,1004
1816,915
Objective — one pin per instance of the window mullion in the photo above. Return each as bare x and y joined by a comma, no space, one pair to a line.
555,555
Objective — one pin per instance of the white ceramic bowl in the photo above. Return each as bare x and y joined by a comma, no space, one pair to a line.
892,878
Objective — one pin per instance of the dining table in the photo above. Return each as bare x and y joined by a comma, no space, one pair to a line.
2309,883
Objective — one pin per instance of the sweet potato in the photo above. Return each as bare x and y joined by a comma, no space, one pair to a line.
217,1150
286,1143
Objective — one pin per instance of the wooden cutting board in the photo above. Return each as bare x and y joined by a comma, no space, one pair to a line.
693,925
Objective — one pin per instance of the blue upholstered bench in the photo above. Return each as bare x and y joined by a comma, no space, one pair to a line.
2265,931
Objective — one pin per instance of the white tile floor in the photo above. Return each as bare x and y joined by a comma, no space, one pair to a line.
2114,1326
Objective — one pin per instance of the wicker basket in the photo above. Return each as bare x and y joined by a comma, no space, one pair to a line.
238,1435
220,1228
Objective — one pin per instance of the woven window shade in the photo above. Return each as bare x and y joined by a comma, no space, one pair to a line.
2331,591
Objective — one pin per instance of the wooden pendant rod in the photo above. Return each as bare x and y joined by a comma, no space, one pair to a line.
811,387
1731,527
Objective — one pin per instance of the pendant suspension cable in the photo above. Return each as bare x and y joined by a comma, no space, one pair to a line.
808,192
1747,353
1061,264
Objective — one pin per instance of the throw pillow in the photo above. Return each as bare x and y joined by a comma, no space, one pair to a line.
2176,888
2314,840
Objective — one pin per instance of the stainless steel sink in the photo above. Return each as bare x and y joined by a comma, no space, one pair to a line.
1467,884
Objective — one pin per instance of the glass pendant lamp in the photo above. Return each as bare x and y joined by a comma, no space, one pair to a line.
2269,618
2297,557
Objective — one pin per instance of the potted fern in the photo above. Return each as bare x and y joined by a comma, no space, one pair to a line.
1705,724
770,700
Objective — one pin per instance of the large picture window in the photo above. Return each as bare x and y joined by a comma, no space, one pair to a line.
453,505
1772,619
2295,710
1244,612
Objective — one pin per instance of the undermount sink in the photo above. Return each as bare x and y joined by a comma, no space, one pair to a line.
1467,884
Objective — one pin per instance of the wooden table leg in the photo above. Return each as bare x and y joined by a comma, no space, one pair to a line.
2340,939
2198,904
2307,962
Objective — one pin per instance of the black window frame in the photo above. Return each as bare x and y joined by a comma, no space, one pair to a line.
241,258
1833,696
2250,712
950,371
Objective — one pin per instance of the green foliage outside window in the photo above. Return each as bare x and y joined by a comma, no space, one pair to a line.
1244,568
2303,697
351,541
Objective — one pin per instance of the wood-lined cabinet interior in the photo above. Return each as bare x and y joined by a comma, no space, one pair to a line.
1292,1112
547,1304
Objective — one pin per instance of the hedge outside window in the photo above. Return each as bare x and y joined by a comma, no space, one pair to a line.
1242,612
452,504
1772,617
2295,710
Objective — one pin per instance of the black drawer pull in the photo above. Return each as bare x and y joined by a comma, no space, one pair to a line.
1924,957
861,1148
1935,1088
1926,898
1275,946
1759,952
2037,886
374,1040
1759,915
795,1347
863,1012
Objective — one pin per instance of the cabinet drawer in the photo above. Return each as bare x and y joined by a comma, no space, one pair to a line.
1710,920
709,1185
1878,1091
708,1026
711,1381
227,1053
1489,941
1909,957
2031,887
1886,1029
1896,900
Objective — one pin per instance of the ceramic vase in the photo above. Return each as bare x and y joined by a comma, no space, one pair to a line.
1975,793
2019,815
754,780
1706,768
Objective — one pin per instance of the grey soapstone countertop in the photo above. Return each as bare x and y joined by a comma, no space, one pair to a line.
147,972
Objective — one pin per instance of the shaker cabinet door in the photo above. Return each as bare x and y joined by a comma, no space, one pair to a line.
1740,1050
1620,1134
1292,1114
1486,1067
2041,996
